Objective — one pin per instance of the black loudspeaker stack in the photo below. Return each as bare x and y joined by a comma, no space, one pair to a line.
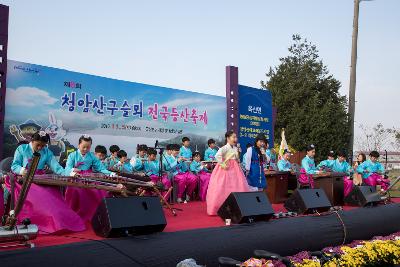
244,207
362,196
116,217
305,201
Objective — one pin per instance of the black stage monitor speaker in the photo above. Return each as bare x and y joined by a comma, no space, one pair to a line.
305,201
243,207
362,196
130,215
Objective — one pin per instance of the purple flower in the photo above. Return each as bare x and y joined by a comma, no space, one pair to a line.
299,257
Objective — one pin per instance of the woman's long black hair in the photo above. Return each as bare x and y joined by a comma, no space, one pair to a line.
227,135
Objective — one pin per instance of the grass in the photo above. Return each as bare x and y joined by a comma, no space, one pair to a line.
393,174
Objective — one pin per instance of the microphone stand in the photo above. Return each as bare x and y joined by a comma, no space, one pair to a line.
160,167
386,159
160,170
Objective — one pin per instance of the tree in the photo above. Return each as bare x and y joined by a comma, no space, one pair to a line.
307,97
378,138
397,139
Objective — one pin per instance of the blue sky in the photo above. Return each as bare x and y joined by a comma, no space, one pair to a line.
187,44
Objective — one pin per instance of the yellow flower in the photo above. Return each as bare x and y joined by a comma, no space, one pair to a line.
376,252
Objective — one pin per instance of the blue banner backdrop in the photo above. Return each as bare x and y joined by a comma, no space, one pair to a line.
68,104
255,115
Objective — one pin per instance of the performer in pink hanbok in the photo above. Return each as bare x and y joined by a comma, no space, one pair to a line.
372,171
44,205
227,176
197,168
83,162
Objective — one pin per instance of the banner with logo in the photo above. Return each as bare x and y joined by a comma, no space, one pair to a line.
255,115
68,104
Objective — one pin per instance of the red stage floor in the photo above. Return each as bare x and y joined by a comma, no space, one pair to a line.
192,216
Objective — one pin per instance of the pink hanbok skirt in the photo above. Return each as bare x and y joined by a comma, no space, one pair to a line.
45,207
204,178
84,201
376,179
186,182
165,181
306,179
222,183
348,185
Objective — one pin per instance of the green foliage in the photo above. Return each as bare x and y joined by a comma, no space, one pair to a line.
307,97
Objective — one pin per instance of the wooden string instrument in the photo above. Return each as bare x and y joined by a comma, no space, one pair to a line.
81,182
28,178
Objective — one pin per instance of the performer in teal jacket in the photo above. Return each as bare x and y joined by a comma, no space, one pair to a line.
372,171
308,168
44,205
327,165
341,165
284,164
209,154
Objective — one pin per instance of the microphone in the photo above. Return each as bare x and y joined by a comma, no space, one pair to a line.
156,144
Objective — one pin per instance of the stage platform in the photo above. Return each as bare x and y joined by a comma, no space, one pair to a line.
193,234
193,216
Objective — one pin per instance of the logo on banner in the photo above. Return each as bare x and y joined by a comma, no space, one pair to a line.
73,85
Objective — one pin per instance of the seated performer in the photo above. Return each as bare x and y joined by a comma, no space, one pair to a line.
308,168
185,150
357,178
272,162
84,201
255,162
101,153
372,171
327,165
209,154
152,169
227,176
123,165
197,168
268,151
44,205
284,164
186,182
113,158
171,160
341,165
138,160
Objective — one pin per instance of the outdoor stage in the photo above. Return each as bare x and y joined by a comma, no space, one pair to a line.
193,216
194,234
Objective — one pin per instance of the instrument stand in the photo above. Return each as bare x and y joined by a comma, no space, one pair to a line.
13,235
386,195
20,236
13,244
165,203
